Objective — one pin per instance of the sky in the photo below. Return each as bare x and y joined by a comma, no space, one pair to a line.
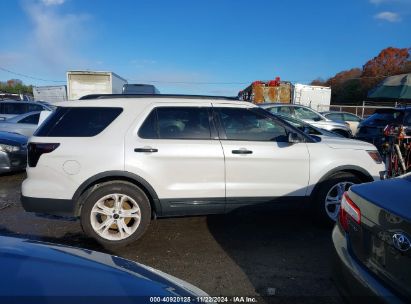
214,47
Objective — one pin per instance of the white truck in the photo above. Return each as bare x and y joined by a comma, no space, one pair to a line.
51,94
315,97
81,83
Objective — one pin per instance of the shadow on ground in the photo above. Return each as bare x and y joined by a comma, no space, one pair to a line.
284,253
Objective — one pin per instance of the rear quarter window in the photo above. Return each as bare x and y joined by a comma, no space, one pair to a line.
78,121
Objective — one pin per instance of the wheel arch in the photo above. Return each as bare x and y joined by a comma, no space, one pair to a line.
108,176
359,172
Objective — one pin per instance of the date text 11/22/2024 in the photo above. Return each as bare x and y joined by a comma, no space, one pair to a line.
203,299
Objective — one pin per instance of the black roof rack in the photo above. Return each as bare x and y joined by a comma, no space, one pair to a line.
109,96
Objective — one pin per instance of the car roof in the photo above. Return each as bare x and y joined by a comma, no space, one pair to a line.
278,104
20,101
337,112
144,101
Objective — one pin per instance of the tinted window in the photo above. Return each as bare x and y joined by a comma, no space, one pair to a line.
149,127
31,119
245,124
281,110
335,116
304,113
176,123
183,123
34,108
78,122
14,108
350,117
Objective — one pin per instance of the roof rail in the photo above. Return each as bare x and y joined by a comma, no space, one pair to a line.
109,96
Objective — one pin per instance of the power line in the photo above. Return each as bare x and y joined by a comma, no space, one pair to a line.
187,82
27,76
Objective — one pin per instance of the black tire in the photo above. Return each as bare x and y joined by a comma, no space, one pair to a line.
119,187
322,191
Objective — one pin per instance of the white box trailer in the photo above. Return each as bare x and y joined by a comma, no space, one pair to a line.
81,83
51,94
315,97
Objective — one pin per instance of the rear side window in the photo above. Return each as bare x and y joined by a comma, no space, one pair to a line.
78,121
304,113
34,108
177,123
349,117
335,116
31,119
14,108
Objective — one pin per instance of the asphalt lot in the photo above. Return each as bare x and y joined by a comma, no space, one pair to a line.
244,253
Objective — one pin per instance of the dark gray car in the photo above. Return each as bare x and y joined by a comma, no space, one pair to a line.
13,152
372,240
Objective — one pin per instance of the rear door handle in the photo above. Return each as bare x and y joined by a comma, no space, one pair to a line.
147,150
242,151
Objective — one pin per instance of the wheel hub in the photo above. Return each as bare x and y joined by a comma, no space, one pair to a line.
115,216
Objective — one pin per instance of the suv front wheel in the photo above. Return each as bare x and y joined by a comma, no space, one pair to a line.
116,213
327,199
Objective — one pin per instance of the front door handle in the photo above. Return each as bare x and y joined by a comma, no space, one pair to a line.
242,151
147,150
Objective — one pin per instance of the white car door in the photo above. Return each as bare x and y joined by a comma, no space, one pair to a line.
260,163
177,151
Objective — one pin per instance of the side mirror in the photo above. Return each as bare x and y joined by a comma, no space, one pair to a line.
293,138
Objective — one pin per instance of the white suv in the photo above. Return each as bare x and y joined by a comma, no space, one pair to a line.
118,162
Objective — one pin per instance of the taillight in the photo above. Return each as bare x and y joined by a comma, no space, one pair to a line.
348,210
35,150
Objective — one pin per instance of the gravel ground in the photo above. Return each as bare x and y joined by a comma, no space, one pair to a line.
275,255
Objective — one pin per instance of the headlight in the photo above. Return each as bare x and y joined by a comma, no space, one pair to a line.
375,155
9,148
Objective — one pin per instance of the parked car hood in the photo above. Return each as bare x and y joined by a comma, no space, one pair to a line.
42,269
381,194
345,143
9,138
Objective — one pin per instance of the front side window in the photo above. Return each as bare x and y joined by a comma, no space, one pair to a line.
304,113
177,123
31,119
245,124
78,121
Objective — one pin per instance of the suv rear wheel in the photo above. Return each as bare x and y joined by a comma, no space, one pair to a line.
327,199
116,213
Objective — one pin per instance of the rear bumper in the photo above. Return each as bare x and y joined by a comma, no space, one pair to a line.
50,206
352,279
